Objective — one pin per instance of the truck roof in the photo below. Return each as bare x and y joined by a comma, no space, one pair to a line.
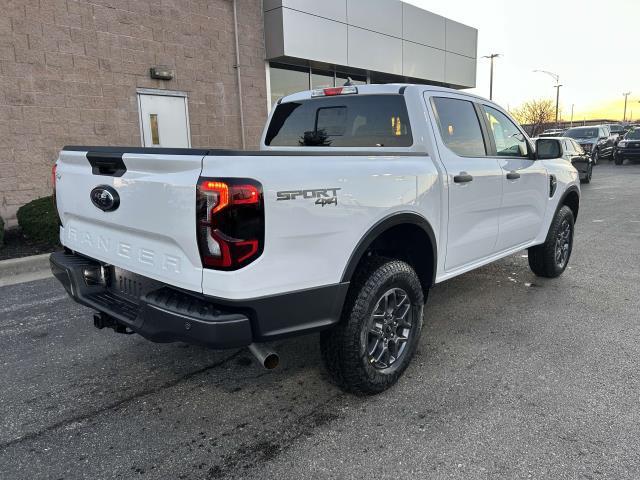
381,89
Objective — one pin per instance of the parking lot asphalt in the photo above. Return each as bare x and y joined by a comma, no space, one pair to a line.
515,377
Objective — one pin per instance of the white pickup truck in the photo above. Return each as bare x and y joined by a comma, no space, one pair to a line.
358,202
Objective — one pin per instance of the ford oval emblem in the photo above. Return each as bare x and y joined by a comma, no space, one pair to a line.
105,198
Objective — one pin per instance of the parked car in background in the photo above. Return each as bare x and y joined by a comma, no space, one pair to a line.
552,132
618,131
573,153
596,140
628,148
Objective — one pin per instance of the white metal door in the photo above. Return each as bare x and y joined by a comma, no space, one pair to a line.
474,181
164,120
525,187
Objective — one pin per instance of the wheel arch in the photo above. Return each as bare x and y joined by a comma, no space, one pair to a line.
416,229
571,198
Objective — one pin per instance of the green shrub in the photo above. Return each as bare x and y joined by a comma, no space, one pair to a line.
1,231
39,221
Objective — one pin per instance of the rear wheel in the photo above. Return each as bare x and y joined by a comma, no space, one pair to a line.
552,257
596,156
373,344
618,159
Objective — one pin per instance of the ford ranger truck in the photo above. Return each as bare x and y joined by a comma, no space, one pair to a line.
358,202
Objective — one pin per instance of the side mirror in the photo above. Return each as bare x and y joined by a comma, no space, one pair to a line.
548,148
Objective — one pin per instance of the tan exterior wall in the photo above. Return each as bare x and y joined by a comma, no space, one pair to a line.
69,70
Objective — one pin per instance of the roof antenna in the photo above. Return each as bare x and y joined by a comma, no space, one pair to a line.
348,83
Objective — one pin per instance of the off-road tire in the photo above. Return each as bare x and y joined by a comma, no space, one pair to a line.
542,258
344,347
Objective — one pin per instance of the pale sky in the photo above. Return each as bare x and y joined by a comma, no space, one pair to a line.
584,41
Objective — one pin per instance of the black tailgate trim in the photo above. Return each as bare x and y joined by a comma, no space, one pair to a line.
106,164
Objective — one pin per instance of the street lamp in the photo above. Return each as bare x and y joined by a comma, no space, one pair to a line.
556,77
624,116
491,57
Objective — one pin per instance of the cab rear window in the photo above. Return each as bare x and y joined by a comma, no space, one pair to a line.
341,121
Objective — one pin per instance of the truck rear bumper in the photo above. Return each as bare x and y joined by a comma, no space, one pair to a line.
162,313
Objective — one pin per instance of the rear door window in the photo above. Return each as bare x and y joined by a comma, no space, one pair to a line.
459,126
341,121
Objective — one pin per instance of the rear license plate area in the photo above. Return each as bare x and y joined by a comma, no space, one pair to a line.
130,285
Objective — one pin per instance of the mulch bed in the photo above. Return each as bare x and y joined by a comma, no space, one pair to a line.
17,245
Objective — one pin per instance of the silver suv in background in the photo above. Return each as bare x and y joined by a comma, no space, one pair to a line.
596,140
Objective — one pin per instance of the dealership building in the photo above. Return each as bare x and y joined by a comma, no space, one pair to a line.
194,73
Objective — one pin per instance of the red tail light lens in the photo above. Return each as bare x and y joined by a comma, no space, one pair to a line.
53,188
230,216
218,193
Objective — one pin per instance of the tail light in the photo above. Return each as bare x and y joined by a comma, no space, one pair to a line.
53,185
230,220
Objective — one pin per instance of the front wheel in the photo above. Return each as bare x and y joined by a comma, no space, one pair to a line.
367,352
618,159
552,257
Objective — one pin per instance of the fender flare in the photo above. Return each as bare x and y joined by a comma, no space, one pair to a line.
569,190
382,226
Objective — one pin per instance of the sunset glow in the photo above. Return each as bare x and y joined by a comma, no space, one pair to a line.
584,42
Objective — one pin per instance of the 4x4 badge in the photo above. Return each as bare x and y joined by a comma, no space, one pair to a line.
105,198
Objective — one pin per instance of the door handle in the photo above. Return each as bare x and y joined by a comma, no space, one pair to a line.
462,177
513,176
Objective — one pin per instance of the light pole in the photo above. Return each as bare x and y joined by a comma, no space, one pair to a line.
491,57
624,116
557,86
572,105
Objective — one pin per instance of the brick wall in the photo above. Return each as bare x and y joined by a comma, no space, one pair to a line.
69,70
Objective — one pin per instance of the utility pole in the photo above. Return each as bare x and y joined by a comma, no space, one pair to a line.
572,105
557,86
491,57
624,117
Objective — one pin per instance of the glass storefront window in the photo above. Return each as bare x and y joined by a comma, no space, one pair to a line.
320,79
377,77
286,80
341,79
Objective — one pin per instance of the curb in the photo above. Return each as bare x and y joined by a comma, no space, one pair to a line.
25,265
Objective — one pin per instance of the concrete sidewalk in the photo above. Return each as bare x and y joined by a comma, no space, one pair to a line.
24,269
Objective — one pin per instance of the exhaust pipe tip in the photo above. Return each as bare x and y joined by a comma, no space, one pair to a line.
271,361
265,356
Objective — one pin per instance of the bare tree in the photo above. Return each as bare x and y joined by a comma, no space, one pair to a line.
536,114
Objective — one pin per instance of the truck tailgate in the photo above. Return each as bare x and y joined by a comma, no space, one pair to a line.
152,231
